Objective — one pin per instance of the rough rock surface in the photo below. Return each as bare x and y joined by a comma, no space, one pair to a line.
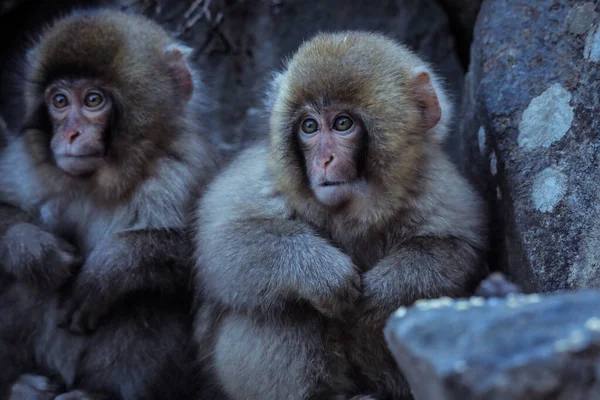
523,347
530,129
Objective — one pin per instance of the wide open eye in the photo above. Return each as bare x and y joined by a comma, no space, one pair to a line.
310,125
60,101
342,123
93,100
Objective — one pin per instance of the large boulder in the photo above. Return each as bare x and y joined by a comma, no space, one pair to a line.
530,129
522,347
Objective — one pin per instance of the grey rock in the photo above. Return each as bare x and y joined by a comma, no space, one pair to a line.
581,17
522,347
532,96
592,45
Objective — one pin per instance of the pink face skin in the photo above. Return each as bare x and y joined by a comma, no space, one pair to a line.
331,142
80,112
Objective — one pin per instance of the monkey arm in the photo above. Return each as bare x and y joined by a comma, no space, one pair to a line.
126,262
263,264
145,259
10,215
423,267
254,255
27,251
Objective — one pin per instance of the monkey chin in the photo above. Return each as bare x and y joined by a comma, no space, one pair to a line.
336,194
79,165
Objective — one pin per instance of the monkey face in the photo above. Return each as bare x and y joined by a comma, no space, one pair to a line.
331,142
80,113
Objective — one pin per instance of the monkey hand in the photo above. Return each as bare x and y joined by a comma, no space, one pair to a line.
37,256
334,284
378,300
85,303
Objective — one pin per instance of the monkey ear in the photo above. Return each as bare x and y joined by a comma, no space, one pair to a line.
176,56
427,98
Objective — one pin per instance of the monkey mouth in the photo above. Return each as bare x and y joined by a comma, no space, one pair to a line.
334,183
79,164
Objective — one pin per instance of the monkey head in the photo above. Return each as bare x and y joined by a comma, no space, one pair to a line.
103,91
351,118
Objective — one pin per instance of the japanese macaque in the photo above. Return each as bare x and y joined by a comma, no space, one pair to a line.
308,243
96,260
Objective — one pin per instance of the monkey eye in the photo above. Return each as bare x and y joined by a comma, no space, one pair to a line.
309,125
93,100
342,123
60,101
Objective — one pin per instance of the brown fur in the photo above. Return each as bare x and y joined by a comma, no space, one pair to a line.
124,52
367,73
126,308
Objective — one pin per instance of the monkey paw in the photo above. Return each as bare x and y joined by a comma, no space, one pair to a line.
376,303
337,291
83,309
27,251
33,387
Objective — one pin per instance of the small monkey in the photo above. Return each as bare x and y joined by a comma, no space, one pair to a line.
307,243
97,260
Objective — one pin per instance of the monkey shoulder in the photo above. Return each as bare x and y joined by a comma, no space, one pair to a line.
449,205
163,200
245,190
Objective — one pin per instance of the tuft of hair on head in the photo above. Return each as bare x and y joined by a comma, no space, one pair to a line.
396,95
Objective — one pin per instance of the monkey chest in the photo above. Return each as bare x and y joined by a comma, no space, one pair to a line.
365,255
80,222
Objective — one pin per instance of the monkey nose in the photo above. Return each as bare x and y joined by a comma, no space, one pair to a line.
328,160
72,136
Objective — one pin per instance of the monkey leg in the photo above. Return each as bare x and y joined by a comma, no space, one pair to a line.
18,328
278,358
146,356
377,372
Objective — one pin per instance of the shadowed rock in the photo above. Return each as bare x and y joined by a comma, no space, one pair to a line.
522,347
